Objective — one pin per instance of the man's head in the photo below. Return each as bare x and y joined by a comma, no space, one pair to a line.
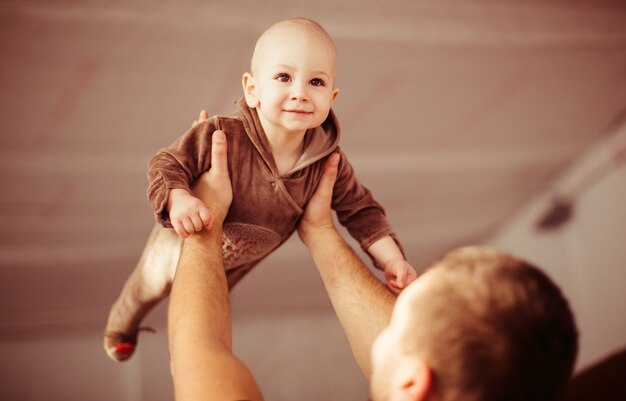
291,81
478,325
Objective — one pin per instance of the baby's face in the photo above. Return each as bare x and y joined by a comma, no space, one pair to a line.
294,77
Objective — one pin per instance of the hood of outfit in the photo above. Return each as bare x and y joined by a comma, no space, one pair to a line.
319,142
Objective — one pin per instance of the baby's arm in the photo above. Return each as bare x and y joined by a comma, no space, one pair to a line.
398,272
365,219
188,214
172,171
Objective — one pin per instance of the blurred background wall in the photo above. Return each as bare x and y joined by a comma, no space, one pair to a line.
585,254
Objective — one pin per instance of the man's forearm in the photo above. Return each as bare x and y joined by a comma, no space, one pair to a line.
199,308
199,327
199,314
362,303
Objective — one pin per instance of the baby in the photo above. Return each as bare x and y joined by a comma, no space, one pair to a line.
277,145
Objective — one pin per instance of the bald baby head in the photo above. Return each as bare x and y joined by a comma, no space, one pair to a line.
293,68
305,32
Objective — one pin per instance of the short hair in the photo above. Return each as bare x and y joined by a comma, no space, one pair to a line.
498,329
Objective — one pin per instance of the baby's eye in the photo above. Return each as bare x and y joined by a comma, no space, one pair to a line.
283,77
318,82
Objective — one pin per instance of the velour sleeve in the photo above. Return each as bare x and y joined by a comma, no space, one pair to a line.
357,209
177,166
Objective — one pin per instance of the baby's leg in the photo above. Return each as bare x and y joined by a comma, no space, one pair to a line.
149,283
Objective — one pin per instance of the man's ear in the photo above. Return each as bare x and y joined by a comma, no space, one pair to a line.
412,380
250,90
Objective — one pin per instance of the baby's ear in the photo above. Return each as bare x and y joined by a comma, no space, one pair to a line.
335,94
250,90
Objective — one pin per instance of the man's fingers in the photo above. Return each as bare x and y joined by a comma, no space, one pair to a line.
213,187
219,161
203,116
325,187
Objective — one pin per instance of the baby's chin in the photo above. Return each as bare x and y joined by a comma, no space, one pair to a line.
301,126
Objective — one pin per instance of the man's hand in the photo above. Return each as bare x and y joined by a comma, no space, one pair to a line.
317,215
213,194
203,116
362,303
214,187
188,214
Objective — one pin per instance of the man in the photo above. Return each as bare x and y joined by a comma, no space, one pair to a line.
478,325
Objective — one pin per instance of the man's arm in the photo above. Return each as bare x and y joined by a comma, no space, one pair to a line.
362,303
199,321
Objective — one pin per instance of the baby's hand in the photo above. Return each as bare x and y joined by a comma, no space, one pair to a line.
188,214
399,273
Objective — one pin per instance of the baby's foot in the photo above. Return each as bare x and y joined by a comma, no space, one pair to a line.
120,346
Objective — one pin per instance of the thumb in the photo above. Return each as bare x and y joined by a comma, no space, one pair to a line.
326,184
219,150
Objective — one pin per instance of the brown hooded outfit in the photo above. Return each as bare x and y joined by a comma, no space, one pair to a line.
266,207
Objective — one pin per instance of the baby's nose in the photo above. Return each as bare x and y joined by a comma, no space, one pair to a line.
299,92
